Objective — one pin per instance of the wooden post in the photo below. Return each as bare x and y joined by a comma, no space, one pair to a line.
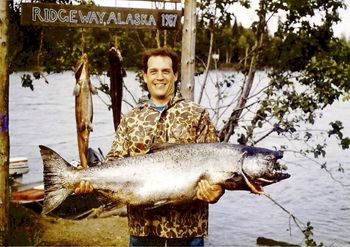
4,124
188,49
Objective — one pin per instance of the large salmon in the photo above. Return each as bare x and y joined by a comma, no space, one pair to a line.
165,176
83,107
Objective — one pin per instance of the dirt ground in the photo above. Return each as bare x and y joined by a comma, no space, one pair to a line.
111,231
28,228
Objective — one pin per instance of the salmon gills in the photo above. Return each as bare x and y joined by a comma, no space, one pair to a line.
168,175
83,91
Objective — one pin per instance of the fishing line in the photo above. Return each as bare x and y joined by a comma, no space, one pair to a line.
103,101
295,219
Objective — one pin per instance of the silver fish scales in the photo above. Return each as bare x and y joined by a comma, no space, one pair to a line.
168,175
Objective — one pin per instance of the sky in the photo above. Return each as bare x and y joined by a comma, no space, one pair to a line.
244,16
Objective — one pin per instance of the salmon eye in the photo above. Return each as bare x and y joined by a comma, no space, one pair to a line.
270,158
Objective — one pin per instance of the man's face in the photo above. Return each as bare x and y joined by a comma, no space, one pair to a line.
160,79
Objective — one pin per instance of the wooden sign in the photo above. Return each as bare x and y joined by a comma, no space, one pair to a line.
161,1
40,14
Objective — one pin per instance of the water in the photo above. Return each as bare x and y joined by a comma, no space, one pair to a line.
46,116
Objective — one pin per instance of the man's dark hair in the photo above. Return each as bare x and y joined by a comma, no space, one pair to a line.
163,52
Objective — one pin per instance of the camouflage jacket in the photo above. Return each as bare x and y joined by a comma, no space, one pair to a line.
180,122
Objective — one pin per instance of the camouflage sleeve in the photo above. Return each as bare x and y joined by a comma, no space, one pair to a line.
119,146
206,131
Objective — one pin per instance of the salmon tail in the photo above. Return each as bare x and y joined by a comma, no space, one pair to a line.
56,169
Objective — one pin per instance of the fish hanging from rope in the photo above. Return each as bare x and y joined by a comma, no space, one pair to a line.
83,91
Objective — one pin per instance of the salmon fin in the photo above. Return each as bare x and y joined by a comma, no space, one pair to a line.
55,171
90,128
109,199
254,187
79,68
159,147
93,89
53,199
158,204
76,90
106,197
84,126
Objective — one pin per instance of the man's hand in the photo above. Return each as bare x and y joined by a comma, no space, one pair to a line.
209,193
83,188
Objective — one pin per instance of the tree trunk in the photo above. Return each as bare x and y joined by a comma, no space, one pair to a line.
228,129
165,38
207,67
4,125
158,38
188,50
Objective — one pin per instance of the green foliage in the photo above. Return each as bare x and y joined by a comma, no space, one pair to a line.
299,34
337,127
231,39
308,234
309,71
27,81
57,49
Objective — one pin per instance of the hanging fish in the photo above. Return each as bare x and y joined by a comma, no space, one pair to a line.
83,91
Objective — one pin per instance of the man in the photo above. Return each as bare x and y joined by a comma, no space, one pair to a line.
165,118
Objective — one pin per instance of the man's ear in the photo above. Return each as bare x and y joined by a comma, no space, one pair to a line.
176,76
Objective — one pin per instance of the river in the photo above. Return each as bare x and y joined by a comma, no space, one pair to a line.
46,116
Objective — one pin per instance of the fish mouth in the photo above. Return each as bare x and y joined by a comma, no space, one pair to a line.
256,185
276,177
263,170
276,174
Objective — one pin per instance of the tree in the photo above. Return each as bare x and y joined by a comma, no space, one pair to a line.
314,58
307,70
4,125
